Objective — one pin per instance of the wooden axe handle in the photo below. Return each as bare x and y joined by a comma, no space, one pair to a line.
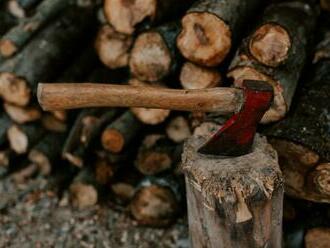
56,96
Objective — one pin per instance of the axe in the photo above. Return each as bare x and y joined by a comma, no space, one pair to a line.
234,138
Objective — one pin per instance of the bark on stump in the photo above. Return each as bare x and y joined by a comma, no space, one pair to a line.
234,201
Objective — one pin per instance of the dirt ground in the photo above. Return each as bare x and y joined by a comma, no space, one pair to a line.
32,215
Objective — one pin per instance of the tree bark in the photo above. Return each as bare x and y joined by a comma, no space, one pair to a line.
126,16
285,77
210,27
154,55
18,36
120,132
197,77
233,201
113,48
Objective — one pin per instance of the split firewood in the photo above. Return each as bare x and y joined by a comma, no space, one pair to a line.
283,78
46,152
154,55
197,77
325,5
52,46
281,35
233,196
149,116
86,128
84,190
104,170
156,201
113,48
303,139
317,237
23,137
51,123
21,8
121,132
178,129
18,36
156,154
210,27
5,124
22,115
125,16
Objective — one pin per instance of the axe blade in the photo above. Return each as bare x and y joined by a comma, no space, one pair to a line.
236,136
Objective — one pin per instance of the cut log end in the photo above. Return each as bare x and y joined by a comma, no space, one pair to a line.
7,48
112,47
270,44
14,89
124,15
153,162
178,129
41,160
83,195
22,115
18,140
205,39
112,140
278,108
196,77
150,58
154,205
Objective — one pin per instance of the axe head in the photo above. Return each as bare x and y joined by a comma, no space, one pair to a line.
236,136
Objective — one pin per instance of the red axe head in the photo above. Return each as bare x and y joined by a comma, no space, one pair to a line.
235,137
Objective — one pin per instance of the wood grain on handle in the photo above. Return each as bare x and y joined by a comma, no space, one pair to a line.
56,96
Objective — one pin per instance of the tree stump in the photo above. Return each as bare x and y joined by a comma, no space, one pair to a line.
233,201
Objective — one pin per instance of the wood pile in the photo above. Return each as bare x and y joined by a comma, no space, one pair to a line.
129,158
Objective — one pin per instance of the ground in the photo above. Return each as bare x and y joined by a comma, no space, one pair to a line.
32,215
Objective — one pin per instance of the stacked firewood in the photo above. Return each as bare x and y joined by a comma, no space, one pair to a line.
131,157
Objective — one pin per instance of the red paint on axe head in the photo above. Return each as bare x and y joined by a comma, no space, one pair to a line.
235,137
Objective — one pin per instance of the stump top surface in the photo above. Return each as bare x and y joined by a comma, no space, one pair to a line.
256,174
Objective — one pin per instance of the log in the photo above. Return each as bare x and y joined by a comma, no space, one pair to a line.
19,35
317,237
23,137
233,201
21,8
197,77
281,34
53,45
210,27
126,16
22,115
85,129
47,152
156,155
121,132
112,47
178,129
306,137
149,116
84,190
283,78
154,55
156,201
5,124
